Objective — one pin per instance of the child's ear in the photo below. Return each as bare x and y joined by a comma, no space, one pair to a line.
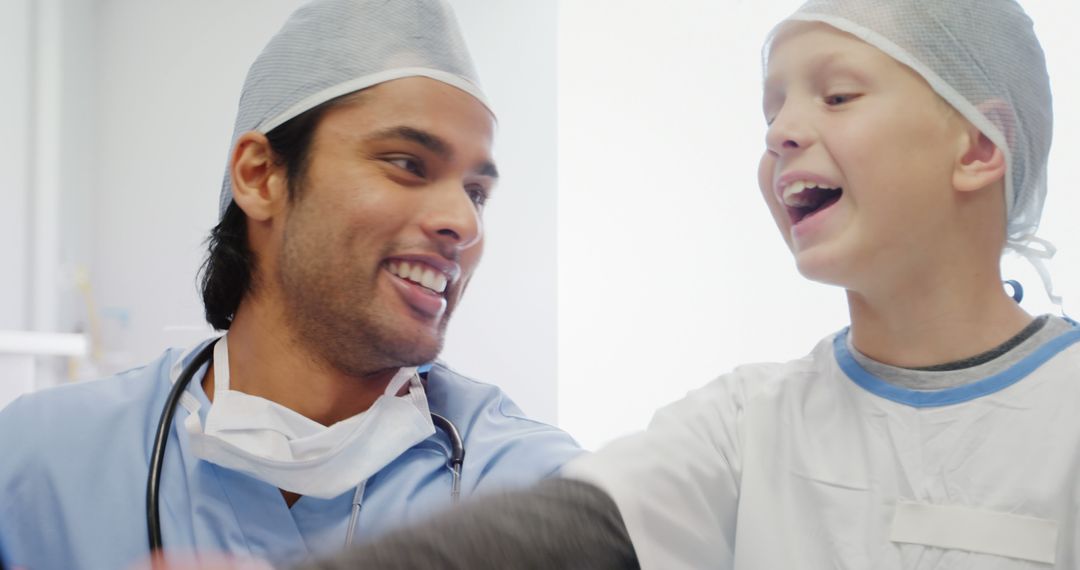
981,163
259,184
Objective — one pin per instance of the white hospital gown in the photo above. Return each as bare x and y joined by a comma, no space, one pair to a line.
816,464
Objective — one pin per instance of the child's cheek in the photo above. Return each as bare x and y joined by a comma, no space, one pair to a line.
766,177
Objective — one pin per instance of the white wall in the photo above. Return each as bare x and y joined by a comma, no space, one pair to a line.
46,59
14,162
505,330
169,77
1054,25
671,271
78,139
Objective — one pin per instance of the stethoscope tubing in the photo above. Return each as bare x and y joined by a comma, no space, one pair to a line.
456,458
157,454
454,461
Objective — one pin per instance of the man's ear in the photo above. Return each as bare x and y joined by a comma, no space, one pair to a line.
259,183
980,163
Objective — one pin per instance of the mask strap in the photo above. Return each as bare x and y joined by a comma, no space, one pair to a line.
1037,257
402,376
221,366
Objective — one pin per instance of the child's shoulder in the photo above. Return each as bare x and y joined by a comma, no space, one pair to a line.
769,380
797,370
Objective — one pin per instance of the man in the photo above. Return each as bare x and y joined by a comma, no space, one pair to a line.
350,224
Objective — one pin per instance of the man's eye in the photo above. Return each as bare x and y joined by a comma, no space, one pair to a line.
408,164
478,194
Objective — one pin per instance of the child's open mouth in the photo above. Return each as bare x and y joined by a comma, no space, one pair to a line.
804,198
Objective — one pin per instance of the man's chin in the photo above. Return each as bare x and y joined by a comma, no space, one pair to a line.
417,350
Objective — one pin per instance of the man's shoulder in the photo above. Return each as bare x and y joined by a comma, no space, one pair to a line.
74,451
462,398
449,390
496,432
66,418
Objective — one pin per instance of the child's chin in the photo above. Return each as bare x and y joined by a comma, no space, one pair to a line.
818,265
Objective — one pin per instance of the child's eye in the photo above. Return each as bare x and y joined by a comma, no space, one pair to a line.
839,99
409,164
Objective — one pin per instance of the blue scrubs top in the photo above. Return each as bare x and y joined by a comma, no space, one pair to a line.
74,463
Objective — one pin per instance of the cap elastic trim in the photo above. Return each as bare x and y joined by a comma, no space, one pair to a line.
358,83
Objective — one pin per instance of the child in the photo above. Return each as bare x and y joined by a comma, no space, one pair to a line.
906,147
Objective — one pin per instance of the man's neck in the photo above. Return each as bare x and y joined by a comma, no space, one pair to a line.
266,360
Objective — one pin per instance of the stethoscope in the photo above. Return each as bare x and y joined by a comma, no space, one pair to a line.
454,460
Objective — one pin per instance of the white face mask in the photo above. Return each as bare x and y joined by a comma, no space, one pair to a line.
279,446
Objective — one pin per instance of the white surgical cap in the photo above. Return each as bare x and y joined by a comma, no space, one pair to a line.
983,58
330,48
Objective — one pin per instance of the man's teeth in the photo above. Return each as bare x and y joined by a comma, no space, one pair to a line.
794,197
420,274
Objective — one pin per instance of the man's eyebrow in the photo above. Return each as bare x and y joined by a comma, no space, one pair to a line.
422,138
431,142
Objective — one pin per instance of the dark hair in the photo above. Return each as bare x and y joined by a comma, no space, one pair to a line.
227,273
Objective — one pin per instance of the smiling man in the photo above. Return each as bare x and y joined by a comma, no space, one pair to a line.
350,225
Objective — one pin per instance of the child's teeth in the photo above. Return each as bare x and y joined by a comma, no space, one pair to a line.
793,191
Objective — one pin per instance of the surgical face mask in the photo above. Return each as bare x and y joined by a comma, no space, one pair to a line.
279,446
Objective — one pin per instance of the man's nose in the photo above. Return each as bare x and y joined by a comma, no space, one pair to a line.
452,217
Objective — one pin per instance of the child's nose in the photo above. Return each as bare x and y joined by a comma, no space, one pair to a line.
787,133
